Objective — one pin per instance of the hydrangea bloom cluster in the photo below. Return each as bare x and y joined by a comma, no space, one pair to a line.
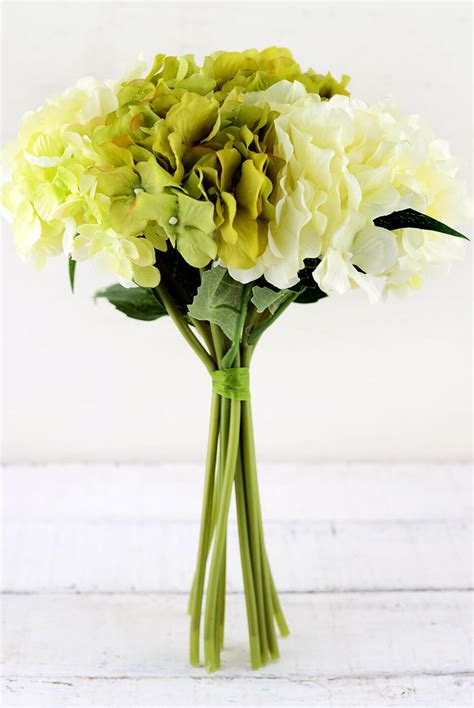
246,161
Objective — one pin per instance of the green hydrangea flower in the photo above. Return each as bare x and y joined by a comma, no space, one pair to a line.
191,124
254,70
237,172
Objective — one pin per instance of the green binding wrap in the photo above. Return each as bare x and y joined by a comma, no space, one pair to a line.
232,383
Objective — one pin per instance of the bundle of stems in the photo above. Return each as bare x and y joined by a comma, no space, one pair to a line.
230,466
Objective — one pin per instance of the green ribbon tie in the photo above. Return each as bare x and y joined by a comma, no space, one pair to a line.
232,383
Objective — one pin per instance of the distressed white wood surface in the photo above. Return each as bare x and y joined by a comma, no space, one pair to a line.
375,691
346,637
354,492
306,556
374,562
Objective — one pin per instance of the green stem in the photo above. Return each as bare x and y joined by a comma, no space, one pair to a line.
254,496
185,330
250,321
205,332
196,345
205,532
191,594
269,612
272,600
213,490
211,653
233,352
219,348
218,340
253,526
279,616
221,602
224,437
247,573
255,335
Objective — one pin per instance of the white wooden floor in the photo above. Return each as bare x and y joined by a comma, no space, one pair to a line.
373,564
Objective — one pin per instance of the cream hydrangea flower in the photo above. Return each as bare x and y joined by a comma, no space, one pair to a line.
58,192
43,172
347,163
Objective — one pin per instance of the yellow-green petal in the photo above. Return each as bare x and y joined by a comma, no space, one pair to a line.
192,118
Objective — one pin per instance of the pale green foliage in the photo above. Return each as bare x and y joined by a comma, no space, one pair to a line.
218,300
268,299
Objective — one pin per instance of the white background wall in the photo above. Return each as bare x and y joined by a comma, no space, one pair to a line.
338,380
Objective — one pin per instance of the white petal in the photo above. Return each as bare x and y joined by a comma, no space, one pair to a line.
246,275
373,287
282,93
68,235
374,250
44,161
332,274
282,274
343,236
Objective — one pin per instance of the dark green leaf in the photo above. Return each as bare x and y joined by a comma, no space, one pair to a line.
181,279
309,295
411,219
308,289
72,272
139,303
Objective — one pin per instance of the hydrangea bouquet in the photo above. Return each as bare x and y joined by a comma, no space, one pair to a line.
219,195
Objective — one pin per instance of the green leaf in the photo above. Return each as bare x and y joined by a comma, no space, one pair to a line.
218,300
308,289
411,219
231,354
181,279
256,333
265,298
138,303
72,272
310,294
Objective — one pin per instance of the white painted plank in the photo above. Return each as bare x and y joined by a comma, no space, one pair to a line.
173,492
109,556
374,692
111,529
333,635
